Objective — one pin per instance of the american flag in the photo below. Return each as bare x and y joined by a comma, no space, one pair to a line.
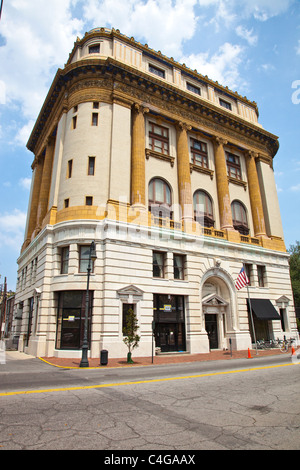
242,279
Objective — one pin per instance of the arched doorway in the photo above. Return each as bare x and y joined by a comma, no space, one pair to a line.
218,308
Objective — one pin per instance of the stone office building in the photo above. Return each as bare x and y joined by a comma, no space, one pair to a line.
172,176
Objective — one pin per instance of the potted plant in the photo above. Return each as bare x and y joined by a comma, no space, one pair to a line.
130,332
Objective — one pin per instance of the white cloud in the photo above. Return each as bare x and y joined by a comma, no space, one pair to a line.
12,226
298,48
23,134
38,37
164,24
25,183
2,92
221,66
295,188
262,10
247,35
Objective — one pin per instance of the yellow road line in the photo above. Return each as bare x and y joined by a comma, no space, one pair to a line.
88,387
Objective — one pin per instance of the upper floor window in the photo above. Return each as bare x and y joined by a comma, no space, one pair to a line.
193,88
91,166
156,71
261,275
74,122
178,266
94,119
84,253
203,209
64,260
199,153
233,166
159,138
94,49
159,196
158,264
70,167
239,217
225,104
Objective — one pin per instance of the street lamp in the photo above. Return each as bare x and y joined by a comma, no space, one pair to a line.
85,346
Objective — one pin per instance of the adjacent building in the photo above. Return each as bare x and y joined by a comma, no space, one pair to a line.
171,175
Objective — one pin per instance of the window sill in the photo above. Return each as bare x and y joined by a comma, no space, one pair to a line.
160,156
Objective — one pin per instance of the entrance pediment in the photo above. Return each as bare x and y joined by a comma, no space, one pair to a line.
214,300
130,291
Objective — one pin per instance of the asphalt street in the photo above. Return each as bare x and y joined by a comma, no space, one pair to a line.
216,405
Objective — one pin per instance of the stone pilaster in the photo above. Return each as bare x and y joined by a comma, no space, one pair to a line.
138,193
46,183
222,184
255,195
183,171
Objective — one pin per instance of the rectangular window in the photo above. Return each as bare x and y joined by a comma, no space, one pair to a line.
159,138
74,122
233,166
225,104
64,260
66,203
75,109
91,168
193,88
179,266
158,266
89,200
283,316
96,105
261,274
199,153
157,71
126,308
84,253
94,49
248,269
70,167
95,119
71,319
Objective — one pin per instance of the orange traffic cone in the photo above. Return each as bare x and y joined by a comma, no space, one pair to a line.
249,354
293,350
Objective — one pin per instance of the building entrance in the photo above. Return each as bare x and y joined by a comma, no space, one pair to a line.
169,321
211,326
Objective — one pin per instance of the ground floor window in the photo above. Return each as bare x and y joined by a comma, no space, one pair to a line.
169,318
70,319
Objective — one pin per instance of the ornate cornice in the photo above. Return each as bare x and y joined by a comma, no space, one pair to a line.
111,81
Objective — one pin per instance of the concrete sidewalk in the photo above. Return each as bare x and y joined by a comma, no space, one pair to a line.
68,363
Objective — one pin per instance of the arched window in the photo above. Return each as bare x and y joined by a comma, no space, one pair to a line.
203,209
239,217
160,199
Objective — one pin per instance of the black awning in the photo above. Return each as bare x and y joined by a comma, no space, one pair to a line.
263,309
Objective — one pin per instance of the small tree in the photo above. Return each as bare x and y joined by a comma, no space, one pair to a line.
130,331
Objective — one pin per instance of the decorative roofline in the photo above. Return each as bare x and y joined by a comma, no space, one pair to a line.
115,33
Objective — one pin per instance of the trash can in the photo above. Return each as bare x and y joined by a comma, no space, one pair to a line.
103,357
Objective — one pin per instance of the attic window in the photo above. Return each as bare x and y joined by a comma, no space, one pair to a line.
156,71
225,104
94,49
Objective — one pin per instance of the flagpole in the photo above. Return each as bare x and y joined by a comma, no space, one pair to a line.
250,307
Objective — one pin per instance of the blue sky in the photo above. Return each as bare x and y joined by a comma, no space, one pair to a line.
252,46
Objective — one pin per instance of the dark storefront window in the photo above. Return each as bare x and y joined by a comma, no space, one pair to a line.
70,319
169,320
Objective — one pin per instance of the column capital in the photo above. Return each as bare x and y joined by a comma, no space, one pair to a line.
251,154
183,126
219,140
140,109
